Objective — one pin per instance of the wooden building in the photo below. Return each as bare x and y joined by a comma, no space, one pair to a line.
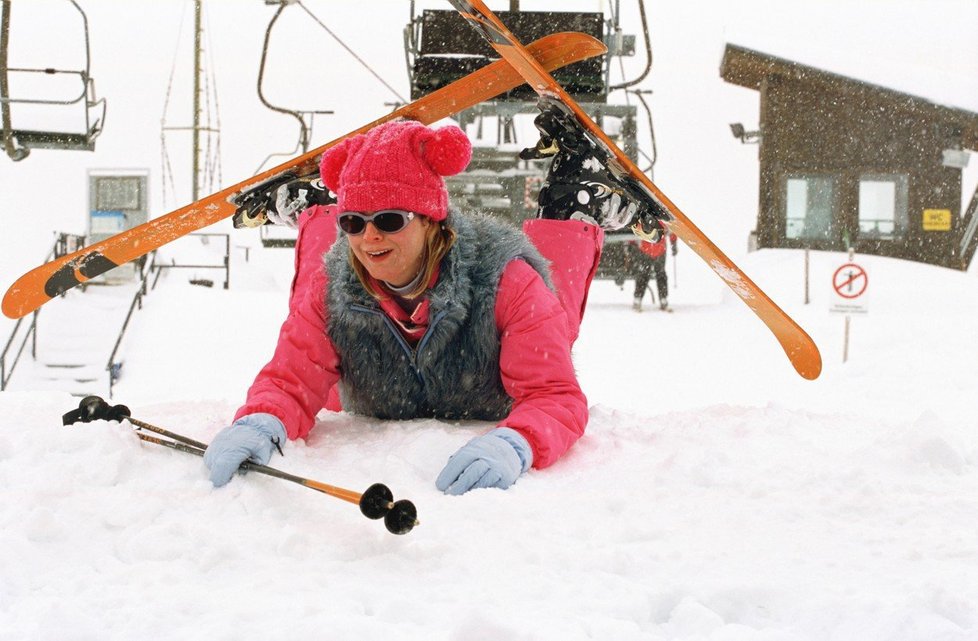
845,162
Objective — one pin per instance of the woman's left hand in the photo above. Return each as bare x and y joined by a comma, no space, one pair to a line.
495,459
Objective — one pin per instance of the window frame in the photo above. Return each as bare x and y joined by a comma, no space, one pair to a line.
829,235
901,207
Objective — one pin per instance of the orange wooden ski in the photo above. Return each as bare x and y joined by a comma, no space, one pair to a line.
43,283
797,344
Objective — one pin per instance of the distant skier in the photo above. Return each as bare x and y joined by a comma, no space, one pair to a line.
419,310
648,259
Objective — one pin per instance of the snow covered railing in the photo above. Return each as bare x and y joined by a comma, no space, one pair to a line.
151,265
5,372
64,244
225,263
112,366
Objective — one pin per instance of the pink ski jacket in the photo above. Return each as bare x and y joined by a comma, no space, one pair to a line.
549,409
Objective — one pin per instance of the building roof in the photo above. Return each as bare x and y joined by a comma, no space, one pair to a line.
748,68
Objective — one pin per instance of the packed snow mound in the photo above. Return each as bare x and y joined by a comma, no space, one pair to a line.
726,523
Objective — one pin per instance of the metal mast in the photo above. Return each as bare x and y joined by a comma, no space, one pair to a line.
198,28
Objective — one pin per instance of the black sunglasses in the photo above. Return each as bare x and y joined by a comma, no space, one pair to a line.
388,221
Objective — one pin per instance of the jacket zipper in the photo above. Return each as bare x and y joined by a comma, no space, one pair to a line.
412,353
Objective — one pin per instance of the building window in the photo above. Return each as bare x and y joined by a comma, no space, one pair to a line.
118,192
808,207
882,206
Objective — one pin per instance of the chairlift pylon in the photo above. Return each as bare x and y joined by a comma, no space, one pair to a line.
17,143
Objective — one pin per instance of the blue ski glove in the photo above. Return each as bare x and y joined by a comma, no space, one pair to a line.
250,438
495,459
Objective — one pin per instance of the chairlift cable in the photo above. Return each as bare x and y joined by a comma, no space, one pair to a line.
167,168
173,64
352,53
213,165
210,161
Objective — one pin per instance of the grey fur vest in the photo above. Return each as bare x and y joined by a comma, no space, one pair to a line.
453,373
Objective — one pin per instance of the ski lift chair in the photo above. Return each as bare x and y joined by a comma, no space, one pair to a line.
443,51
17,143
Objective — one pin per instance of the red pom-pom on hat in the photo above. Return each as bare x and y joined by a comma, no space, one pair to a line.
447,151
334,160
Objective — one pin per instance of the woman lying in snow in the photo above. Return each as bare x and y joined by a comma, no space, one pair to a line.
418,310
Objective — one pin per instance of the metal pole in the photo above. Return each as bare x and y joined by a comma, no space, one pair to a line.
227,261
675,269
8,135
196,131
845,344
4,42
806,276
34,335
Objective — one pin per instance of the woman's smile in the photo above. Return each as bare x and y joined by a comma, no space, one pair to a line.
394,258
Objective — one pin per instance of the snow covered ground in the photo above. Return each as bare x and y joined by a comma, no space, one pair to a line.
716,494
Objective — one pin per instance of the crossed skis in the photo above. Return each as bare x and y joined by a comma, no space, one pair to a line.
530,64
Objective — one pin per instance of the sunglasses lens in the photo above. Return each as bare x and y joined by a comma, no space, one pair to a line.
352,224
387,222
390,221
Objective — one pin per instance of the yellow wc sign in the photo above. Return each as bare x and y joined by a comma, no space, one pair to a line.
937,220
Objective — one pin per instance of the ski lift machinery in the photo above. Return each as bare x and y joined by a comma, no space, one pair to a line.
439,50
17,143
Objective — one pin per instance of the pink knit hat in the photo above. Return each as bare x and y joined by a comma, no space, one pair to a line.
396,165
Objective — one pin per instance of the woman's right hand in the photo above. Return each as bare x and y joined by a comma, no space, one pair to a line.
250,438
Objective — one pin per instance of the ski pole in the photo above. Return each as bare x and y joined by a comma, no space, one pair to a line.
400,517
675,271
376,502
648,288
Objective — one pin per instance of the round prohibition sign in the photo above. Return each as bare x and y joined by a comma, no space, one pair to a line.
850,281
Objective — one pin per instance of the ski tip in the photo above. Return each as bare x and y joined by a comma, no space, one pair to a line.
10,308
808,366
17,302
811,374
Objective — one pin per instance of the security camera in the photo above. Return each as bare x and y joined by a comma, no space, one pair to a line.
743,135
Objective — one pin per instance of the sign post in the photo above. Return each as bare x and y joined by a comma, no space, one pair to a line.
849,285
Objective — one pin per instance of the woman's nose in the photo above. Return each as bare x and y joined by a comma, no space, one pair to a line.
371,231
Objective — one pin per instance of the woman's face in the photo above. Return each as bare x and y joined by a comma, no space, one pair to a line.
393,258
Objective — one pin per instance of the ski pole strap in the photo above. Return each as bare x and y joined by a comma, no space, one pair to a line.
275,442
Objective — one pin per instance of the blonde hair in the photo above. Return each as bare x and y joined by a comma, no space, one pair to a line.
439,238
